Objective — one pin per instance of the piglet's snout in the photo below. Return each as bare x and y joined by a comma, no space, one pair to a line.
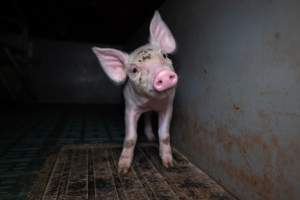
164,80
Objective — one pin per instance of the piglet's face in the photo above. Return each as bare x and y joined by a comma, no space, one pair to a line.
151,72
148,68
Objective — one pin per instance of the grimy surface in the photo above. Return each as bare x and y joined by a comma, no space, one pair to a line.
90,172
71,152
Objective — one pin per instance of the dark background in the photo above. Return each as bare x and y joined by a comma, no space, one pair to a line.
106,22
45,46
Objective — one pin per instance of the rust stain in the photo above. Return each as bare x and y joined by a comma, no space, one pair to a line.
262,185
236,107
196,131
245,143
268,183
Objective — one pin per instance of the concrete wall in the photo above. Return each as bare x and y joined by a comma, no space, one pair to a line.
239,92
68,72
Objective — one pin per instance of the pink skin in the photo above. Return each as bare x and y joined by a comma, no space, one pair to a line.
165,80
150,87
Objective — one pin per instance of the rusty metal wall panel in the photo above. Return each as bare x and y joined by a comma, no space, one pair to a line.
239,69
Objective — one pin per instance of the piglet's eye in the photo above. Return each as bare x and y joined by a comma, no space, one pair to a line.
165,56
134,70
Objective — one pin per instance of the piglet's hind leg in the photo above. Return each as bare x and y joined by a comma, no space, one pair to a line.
148,127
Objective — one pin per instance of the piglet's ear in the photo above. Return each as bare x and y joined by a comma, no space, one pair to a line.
113,63
160,34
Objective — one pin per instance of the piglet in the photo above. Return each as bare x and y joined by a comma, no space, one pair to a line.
150,87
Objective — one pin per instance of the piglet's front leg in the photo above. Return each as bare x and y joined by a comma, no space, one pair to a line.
131,118
165,150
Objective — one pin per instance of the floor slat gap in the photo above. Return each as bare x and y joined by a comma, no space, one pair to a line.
90,172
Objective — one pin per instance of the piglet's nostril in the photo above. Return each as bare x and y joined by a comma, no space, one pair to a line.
164,80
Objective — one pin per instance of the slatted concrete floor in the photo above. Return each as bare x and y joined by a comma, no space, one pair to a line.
29,134
90,172
34,137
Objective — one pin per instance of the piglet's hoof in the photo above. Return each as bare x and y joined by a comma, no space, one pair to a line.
168,161
123,166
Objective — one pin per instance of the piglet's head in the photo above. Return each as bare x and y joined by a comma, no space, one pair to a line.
149,70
